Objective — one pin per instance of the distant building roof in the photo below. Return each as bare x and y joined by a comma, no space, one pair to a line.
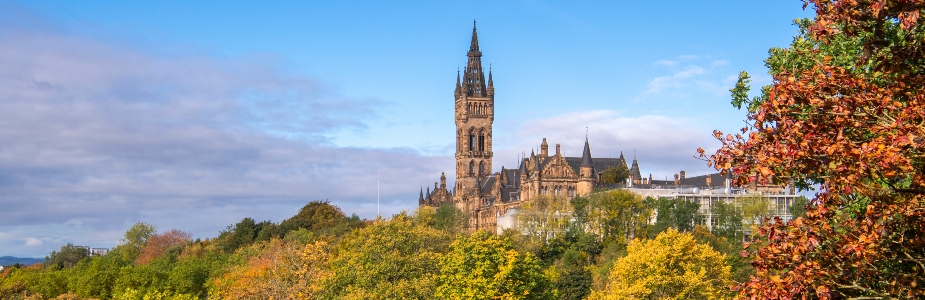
600,164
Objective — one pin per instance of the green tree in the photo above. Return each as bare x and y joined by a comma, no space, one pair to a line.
798,207
727,221
544,217
134,239
616,174
96,277
314,216
238,235
755,211
675,213
574,279
66,257
389,259
448,217
671,266
618,215
486,266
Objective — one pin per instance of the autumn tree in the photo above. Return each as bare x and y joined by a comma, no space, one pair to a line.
156,245
671,266
388,259
845,112
273,273
486,266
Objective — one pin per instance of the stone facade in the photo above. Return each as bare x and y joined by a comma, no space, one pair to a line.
487,197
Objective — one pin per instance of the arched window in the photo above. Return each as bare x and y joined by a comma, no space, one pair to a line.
481,141
556,191
472,140
481,168
471,167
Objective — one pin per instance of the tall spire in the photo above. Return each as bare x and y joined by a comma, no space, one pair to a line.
474,47
474,78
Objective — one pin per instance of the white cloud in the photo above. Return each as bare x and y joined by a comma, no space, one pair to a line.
32,242
95,137
689,79
666,63
663,145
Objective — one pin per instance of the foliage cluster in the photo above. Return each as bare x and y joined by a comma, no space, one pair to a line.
573,247
845,112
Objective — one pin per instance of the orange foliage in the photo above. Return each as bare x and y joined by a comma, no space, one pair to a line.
160,243
278,271
858,133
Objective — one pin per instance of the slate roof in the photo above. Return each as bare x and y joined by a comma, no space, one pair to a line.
698,181
485,187
600,164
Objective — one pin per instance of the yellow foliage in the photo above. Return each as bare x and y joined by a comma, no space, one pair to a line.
671,266
278,271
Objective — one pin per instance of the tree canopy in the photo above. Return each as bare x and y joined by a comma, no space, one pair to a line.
845,112
671,266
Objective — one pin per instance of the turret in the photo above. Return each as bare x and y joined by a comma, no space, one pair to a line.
544,149
491,85
421,197
586,171
634,171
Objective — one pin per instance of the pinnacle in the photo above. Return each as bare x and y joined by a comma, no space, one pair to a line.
474,47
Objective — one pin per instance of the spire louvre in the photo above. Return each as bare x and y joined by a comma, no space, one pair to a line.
473,80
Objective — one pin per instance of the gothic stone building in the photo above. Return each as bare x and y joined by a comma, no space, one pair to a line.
487,197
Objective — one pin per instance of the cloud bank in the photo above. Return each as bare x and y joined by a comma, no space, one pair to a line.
662,145
96,135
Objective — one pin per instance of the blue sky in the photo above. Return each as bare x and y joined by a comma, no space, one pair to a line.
195,115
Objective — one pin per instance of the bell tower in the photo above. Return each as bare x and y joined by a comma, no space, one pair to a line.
475,113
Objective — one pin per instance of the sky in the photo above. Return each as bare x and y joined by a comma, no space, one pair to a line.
194,115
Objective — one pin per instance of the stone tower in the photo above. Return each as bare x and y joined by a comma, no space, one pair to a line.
586,171
475,113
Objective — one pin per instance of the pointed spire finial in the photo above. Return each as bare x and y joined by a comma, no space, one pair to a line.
491,84
474,47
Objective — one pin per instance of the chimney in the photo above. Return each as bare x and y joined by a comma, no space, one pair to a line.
557,149
682,175
676,179
709,180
